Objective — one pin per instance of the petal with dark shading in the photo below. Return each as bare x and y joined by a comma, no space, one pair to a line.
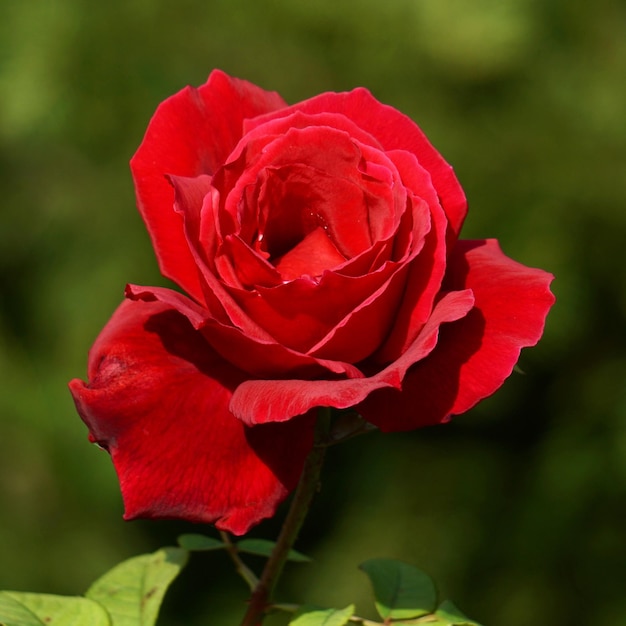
258,357
191,133
425,273
476,354
394,131
300,313
263,401
312,256
157,400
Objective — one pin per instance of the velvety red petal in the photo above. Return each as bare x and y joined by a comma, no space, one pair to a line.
253,355
305,177
157,400
476,354
371,319
270,124
194,313
370,322
263,401
426,272
190,195
312,256
267,359
239,264
393,131
303,199
191,133
300,313
196,213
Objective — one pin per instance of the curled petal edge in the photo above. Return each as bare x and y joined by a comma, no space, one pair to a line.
157,401
266,401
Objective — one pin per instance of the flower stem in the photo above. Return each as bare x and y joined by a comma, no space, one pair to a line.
308,485
242,569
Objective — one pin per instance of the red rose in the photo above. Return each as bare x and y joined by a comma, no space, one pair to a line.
317,246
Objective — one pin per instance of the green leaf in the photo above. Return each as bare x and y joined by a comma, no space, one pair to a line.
263,547
450,615
14,613
132,591
401,591
309,616
196,542
38,609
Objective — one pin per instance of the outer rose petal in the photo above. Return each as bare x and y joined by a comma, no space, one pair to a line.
191,133
476,354
157,399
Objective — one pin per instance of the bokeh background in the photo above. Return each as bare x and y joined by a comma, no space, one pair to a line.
518,509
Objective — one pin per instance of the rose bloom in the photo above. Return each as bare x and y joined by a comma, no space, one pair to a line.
316,247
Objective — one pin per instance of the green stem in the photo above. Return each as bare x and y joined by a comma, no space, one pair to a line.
242,569
307,487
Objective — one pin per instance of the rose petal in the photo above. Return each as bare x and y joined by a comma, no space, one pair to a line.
253,355
248,268
301,312
191,133
157,400
194,313
393,131
372,319
303,199
263,401
369,322
220,304
312,256
476,354
270,125
310,177
426,271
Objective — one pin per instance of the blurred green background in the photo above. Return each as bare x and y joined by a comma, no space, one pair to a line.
518,508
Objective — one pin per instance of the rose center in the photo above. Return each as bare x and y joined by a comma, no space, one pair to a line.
309,220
